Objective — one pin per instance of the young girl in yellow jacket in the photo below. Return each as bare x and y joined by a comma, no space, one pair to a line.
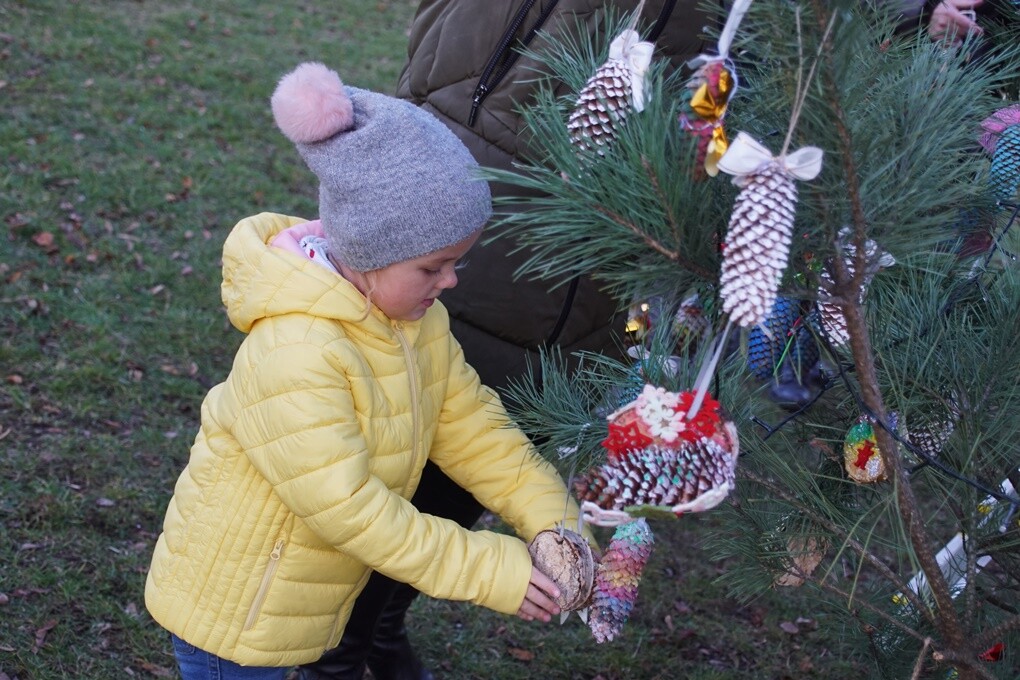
347,382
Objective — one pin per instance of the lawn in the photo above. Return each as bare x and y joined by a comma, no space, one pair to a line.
134,135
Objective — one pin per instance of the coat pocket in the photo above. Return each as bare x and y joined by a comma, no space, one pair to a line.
267,580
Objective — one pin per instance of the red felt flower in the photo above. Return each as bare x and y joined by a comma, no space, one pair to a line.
705,423
623,439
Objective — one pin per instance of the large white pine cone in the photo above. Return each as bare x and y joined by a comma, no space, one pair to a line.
602,105
757,245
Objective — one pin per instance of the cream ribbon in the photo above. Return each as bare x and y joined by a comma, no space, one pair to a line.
747,157
637,55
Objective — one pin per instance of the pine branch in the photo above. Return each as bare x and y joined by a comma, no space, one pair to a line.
859,549
947,622
655,245
919,664
994,635
892,620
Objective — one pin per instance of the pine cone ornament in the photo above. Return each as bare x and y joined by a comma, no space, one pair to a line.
929,438
693,477
617,579
994,125
782,337
757,243
1005,171
830,315
690,322
702,109
610,94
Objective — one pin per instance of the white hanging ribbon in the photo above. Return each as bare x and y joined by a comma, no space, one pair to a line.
637,55
737,13
746,156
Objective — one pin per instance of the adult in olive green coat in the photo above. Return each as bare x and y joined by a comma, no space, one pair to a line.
464,66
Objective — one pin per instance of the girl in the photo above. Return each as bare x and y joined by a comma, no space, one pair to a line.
347,382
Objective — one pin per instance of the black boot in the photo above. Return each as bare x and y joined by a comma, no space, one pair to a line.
392,657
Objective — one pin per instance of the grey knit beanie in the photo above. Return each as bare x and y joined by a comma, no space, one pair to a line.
394,182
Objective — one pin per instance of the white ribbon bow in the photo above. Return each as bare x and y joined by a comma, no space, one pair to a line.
637,55
745,156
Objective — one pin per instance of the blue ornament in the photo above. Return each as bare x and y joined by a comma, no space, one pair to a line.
782,340
1005,171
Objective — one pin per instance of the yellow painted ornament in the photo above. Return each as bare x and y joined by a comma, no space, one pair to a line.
861,456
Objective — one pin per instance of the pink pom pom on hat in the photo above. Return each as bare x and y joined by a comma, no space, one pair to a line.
310,104
394,182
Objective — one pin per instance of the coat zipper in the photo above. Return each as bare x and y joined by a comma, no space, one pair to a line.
412,377
267,579
485,85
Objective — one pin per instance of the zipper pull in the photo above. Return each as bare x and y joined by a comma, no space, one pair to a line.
277,550
476,101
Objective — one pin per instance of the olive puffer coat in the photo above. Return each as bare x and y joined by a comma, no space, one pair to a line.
463,66
298,480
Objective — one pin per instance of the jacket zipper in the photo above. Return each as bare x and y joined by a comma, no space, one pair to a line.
412,377
485,85
267,579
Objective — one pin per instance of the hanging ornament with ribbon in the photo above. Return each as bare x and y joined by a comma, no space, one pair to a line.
616,89
758,237
1001,139
757,244
708,93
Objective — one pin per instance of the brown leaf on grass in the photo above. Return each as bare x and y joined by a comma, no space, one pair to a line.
15,220
153,669
789,627
4,599
41,633
45,240
15,379
521,654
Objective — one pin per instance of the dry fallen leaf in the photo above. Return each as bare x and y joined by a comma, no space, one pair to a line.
41,633
789,627
521,654
44,239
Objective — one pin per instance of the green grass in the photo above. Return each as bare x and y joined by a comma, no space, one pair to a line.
134,134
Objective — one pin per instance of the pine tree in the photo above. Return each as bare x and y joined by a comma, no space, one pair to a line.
902,244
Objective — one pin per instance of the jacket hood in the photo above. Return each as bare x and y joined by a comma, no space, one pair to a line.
261,281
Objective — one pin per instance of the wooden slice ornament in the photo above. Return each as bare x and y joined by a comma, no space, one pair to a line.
567,559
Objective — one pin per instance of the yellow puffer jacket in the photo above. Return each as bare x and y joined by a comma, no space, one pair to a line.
298,480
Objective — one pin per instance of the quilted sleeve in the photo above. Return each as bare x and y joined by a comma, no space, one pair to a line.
299,429
478,446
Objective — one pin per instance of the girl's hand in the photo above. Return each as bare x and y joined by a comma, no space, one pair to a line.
538,601
952,20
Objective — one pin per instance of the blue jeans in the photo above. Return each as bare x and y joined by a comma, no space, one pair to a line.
198,665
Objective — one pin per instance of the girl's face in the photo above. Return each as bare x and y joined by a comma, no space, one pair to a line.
405,290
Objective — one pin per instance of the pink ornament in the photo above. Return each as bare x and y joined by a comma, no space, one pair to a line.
993,125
